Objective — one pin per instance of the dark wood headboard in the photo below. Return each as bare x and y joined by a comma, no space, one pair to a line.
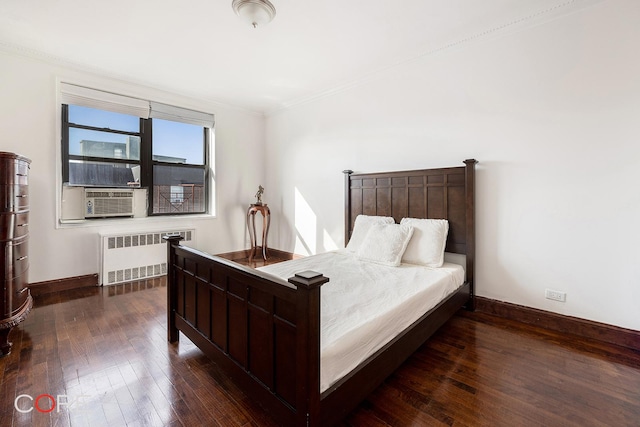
443,193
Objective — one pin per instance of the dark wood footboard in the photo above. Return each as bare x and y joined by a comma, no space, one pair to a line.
263,331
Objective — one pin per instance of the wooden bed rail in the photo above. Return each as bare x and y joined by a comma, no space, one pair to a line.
262,330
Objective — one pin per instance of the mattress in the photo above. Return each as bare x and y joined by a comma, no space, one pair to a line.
365,305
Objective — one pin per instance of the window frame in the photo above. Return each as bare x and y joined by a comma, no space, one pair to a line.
146,161
149,164
66,156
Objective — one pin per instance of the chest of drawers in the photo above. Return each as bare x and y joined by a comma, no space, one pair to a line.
15,298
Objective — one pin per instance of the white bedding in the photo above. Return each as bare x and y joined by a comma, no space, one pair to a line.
364,305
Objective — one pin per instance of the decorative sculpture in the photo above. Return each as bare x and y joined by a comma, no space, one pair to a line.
259,195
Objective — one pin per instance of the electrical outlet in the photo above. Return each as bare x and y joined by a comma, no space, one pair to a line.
555,295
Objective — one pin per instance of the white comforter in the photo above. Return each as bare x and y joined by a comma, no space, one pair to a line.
364,305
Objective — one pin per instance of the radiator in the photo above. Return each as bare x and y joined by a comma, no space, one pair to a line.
135,256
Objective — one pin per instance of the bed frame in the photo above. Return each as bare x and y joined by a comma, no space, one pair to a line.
265,332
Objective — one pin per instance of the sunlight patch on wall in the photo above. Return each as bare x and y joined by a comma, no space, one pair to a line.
305,225
327,242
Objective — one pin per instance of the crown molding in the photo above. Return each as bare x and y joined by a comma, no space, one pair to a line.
56,61
560,10
535,19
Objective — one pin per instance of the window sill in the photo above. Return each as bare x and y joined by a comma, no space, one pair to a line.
104,222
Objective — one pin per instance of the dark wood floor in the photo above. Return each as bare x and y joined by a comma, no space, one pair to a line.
104,350
273,257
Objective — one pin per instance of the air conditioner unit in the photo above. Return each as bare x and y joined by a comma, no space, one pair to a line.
108,202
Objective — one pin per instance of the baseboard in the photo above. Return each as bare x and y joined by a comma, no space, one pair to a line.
545,319
49,286
560,323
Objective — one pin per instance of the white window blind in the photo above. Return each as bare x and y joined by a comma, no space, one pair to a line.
183,115
85,97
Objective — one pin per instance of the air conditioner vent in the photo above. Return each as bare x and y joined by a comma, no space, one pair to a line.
108,203
109,194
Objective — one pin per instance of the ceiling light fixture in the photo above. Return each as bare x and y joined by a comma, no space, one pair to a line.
255,12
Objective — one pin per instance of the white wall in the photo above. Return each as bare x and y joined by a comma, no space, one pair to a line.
553,115
29,126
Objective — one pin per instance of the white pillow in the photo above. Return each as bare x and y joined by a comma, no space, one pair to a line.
385,244
361,226
427,244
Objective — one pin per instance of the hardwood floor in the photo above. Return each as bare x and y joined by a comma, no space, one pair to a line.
274,256
104,352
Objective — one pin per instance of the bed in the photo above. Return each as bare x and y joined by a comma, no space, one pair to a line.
265,332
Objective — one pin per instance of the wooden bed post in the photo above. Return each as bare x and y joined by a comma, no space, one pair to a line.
470,228
347,203
308,347
172,290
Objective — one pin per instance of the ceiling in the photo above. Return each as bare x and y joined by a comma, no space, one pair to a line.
201,49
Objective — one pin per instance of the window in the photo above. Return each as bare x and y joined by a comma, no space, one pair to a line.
101,147
113,141
179,173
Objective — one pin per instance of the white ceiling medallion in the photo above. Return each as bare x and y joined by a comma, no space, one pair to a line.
254,12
